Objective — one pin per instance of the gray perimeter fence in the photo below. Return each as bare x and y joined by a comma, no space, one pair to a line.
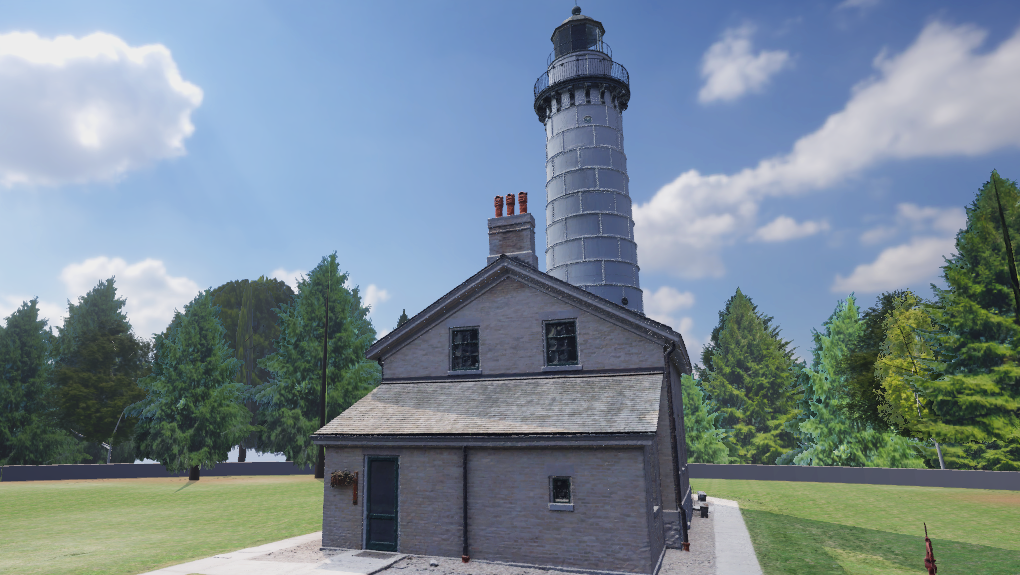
1008,480
142,470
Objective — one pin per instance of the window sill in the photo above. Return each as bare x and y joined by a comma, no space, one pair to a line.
561,507
465,372
562,367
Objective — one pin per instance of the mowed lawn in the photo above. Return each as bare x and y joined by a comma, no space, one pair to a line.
126,526
822,528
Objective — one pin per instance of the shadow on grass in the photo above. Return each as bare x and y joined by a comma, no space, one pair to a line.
790,545
185,486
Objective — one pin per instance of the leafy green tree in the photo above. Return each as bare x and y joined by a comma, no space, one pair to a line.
402,319
30,429
289,402
976,401
193,411
704,439
749,372
97,364
248,312
832,438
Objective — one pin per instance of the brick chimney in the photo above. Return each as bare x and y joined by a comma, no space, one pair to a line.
512,235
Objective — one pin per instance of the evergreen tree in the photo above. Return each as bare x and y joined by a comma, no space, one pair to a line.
703,437
865,394
976,402
193,412
97,363
30,431
832,438
289,401
749,372
402,319
248,312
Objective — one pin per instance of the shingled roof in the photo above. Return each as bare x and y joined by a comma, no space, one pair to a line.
538,405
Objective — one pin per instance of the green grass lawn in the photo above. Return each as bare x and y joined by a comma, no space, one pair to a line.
821,528
122,526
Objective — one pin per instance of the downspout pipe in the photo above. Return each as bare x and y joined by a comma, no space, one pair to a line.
686,543
465,556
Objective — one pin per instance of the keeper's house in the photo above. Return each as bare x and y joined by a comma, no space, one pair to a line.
520,419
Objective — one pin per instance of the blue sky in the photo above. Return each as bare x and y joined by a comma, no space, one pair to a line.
798,150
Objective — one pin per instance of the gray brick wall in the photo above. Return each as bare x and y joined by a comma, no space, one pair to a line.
614,490
511,339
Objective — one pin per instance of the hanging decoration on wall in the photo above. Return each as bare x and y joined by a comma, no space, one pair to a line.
343,479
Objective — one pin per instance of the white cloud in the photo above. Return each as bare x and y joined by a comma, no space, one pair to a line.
940,97
858,4
52,312
898,267
917,219
375,295
731,68
151,292
663,303
288,277
785,228
89,108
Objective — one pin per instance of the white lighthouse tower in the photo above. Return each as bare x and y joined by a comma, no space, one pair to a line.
589,229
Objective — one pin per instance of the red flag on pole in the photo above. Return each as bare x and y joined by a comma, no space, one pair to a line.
929,556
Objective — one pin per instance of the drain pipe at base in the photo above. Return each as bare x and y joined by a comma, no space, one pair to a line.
685,543
465,557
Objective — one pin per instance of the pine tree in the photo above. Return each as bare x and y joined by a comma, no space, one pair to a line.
402,319
30,430
97,363
248,312
748,371
976,402
832,438
705,441
289,401
193,412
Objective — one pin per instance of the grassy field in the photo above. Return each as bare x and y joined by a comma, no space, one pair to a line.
822,528
126,526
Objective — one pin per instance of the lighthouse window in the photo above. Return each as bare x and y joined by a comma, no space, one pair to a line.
464,349
561,342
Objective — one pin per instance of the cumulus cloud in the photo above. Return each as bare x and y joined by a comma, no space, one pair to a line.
89,108
288,277
152,293
898,267
938,98
731,68
785,228
375,295
663,303
914,218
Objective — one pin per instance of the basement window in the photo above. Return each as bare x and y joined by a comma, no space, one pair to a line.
560,496
561,343
464,349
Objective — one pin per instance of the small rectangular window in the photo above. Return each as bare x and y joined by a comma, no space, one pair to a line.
560,489
464,349
561,343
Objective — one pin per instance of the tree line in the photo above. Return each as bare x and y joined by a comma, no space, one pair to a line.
908,382
240,366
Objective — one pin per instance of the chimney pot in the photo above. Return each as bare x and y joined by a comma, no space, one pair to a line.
509,204
498,202
523,200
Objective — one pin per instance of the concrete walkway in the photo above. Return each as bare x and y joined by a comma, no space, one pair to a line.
734,554
258,561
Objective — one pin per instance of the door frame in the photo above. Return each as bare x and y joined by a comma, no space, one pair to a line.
396,497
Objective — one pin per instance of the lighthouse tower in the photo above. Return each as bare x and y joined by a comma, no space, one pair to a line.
589,229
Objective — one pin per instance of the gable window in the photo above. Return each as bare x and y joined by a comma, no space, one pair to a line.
561,342
464,348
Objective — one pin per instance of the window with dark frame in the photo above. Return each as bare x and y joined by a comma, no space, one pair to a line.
561,343
560,489
464,349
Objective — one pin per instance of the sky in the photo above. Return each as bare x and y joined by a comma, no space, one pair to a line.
799,150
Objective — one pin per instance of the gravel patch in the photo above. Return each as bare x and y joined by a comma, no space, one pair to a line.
701,558
304,553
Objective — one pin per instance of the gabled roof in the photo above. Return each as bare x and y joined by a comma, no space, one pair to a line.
504,268
627,403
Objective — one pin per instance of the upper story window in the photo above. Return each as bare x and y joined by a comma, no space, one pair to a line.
464,348
561,342
559,488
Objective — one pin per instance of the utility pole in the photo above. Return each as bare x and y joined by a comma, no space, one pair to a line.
320,465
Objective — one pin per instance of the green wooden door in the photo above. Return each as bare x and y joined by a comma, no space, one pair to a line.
381,501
